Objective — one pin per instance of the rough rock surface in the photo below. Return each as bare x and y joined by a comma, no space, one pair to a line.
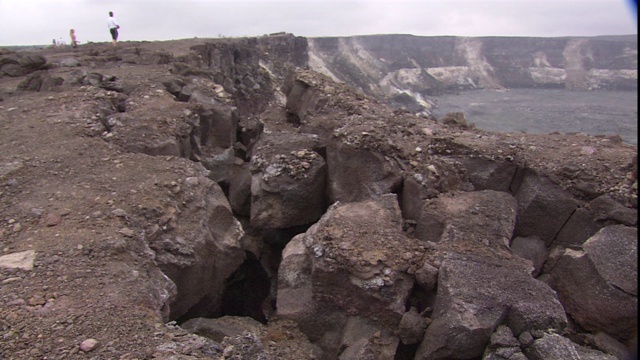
598,285
128,173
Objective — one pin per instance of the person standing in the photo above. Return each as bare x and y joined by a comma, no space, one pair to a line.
112,23
74,41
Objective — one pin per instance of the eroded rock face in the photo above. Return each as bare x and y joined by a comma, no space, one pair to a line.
598,285
387,65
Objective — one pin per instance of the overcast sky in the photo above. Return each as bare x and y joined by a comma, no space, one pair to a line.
37,22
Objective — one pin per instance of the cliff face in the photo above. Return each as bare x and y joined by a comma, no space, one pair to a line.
394,66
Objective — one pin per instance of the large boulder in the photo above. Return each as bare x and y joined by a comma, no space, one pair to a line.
302,98
552,347
218,122
199,249
288,182
531,248
358,174
440,175
476,294
587,220
352,262
486,217
598,285
489,175
543,208
19,64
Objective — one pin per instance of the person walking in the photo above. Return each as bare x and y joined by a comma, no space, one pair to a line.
112,23
74,41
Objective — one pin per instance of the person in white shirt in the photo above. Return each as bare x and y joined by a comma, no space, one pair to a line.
112,23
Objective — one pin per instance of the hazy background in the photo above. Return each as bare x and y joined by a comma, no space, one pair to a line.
37,22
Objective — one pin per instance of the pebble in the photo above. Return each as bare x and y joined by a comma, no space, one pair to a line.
89,345
52,220
119,213
126,232
37,211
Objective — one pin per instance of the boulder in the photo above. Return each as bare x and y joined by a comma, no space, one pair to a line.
288,182
414,193
552,347
531,248
173,85
40,80
439,176
239,189
614,253
19,260
411,328
199,249
503,345
302,98
218,121
543,208
587,220
476,294
19,64
353,262
456,119
363,339
489,175
486,217
608,345
222,166
598,285
357,174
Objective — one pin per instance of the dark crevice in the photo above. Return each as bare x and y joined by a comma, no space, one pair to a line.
246,291
423,300
406,352
555,236
279,238
516,181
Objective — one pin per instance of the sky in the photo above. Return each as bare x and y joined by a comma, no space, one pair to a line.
38,22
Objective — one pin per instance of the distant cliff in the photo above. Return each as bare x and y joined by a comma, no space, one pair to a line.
406,68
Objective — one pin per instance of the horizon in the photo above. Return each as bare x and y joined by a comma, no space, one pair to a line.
363,35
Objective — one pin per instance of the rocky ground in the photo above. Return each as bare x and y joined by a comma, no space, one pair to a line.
78,205
75,199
